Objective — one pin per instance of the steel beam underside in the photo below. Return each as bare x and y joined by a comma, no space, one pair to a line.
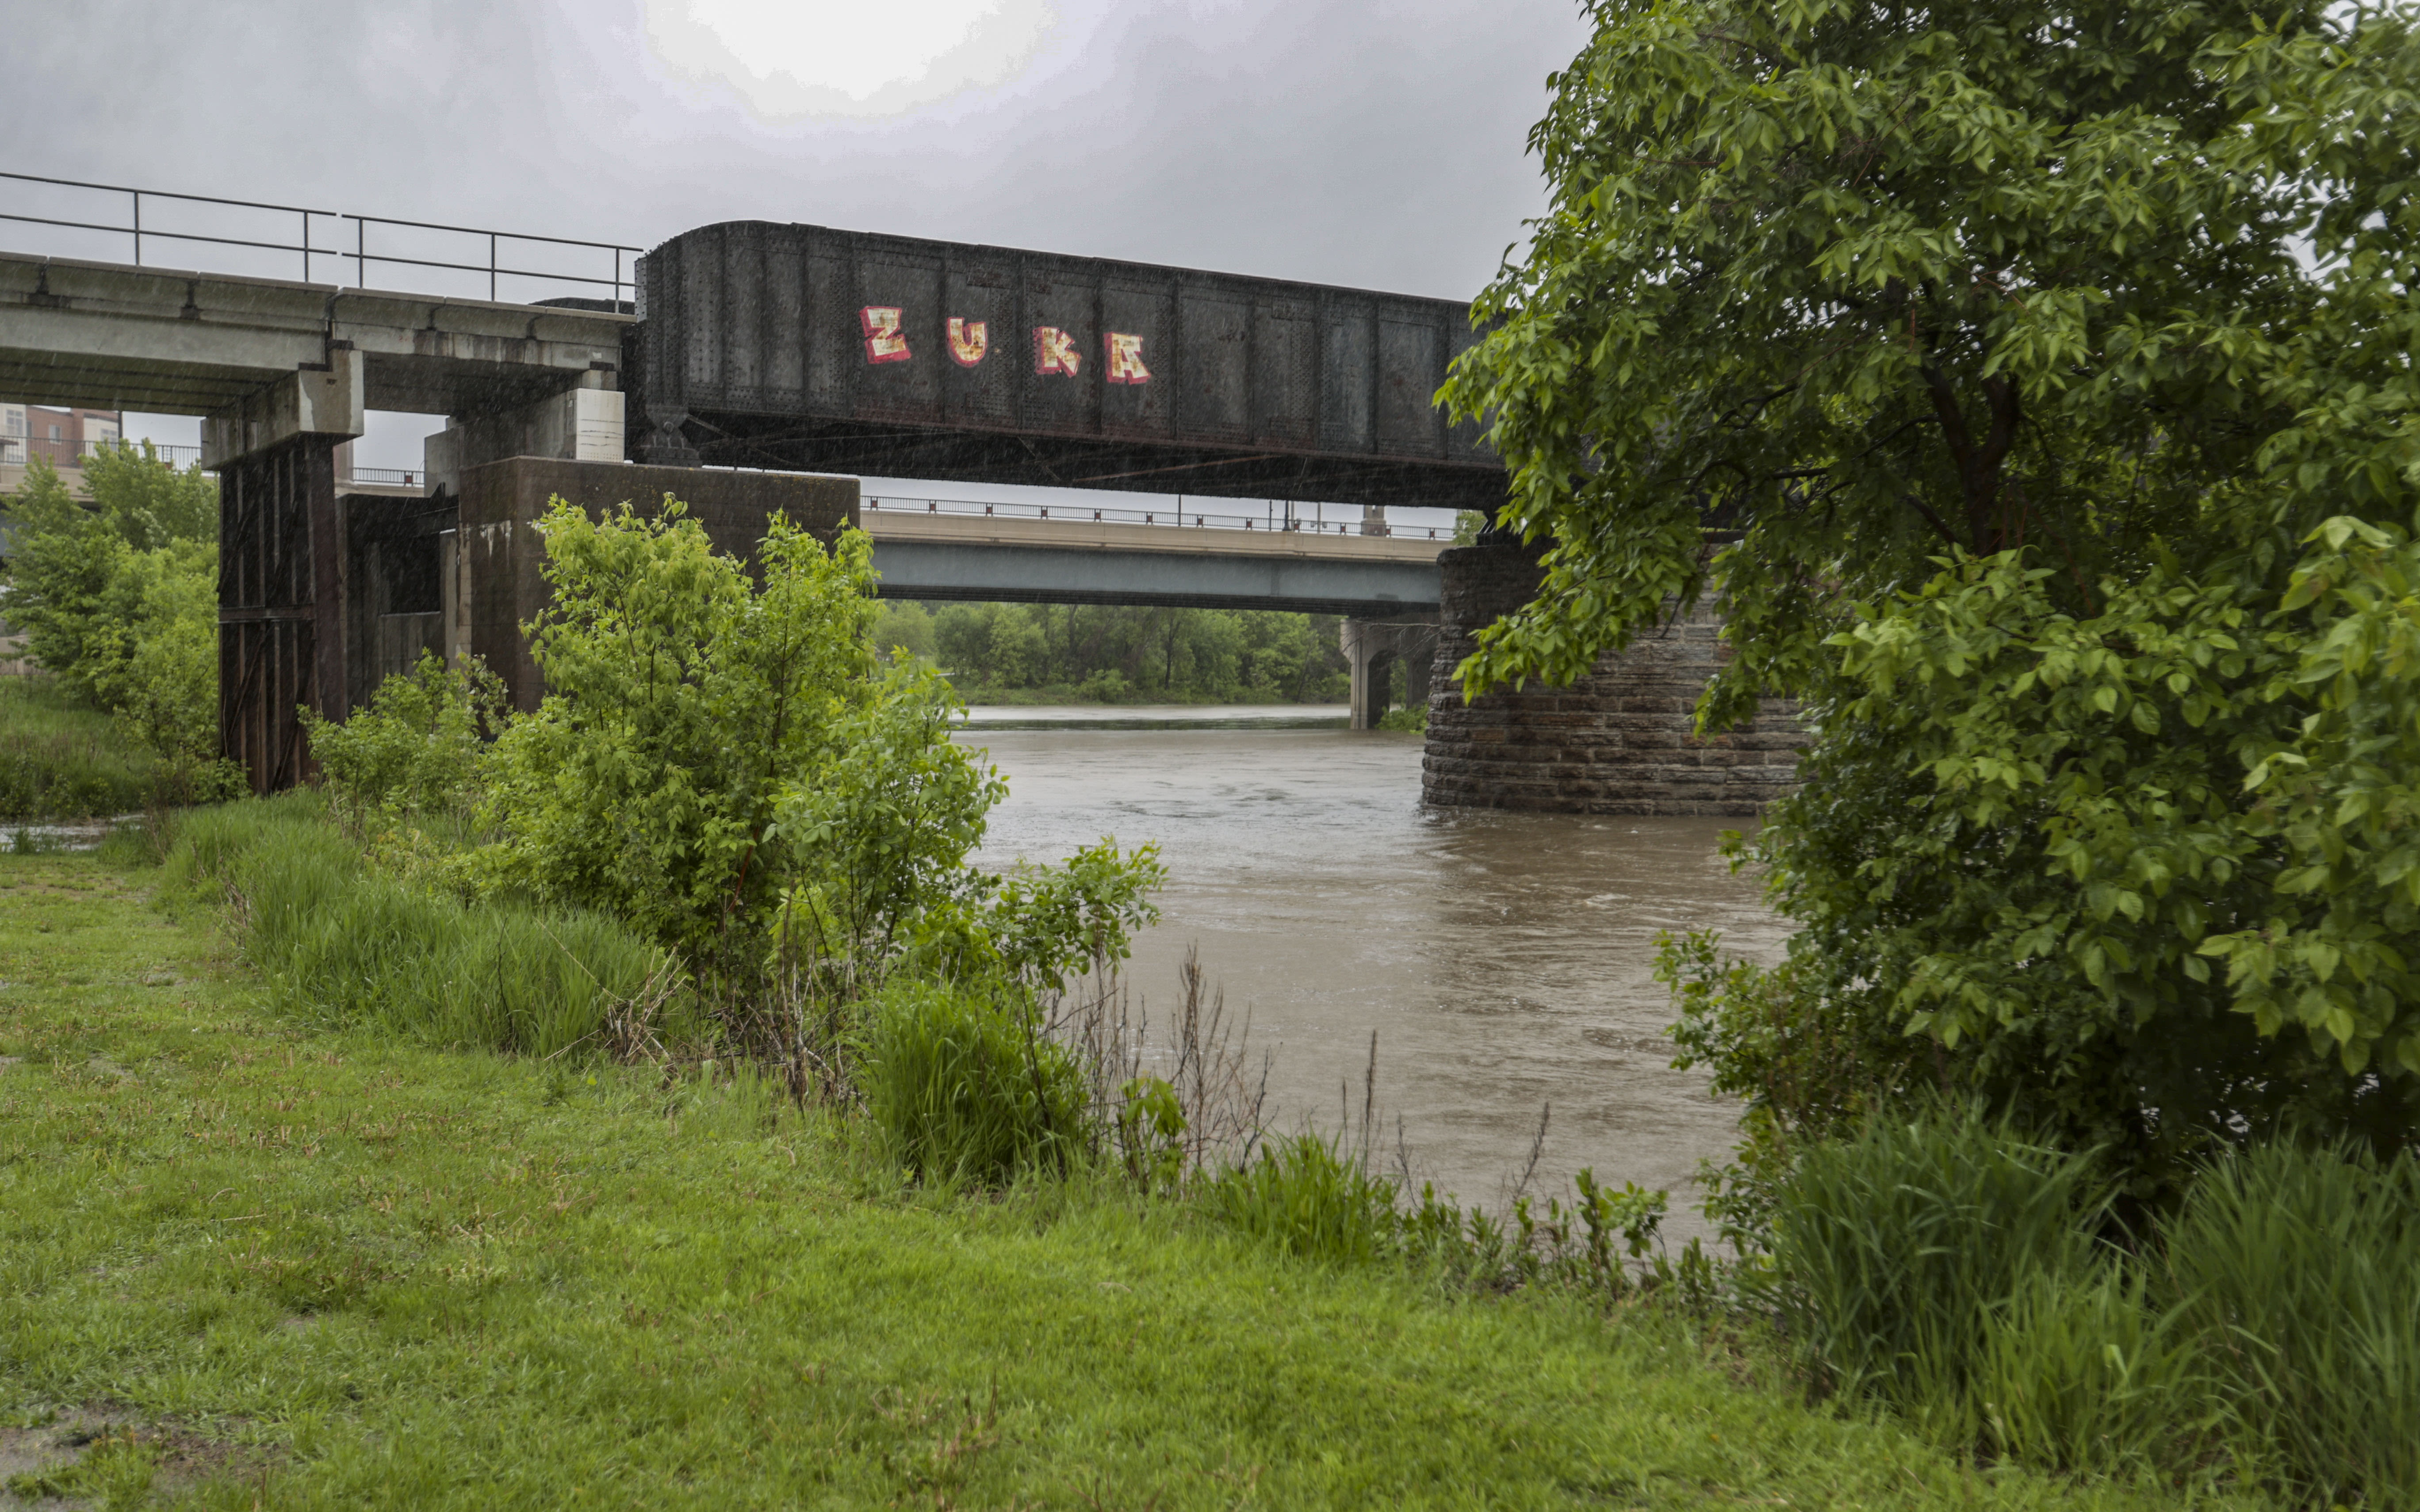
965,456
1041,575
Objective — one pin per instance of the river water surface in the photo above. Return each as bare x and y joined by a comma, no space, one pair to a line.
1504,959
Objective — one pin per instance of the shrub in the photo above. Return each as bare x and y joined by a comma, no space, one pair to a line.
964,1084
683,697
417,745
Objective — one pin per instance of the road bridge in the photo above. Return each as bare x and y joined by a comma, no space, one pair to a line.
1387,587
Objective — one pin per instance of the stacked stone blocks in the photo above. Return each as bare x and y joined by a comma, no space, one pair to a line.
1618,741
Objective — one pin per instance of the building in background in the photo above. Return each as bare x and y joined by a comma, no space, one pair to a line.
62,437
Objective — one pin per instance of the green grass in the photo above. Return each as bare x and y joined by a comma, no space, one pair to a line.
317,1267
62,759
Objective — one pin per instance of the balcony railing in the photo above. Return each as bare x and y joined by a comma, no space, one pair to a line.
16,451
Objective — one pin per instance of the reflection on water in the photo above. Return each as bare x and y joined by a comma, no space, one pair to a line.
1504,959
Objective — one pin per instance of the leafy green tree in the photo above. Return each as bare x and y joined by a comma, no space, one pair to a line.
152,651
1112,653
61,556
904,625
2047,368
120,599
147,501
682,700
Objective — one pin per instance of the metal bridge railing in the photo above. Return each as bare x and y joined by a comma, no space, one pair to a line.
17,450
326,238
1277,517
401,477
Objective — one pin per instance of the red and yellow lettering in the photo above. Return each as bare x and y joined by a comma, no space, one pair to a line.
1054,351
1126,358
883,341
968,341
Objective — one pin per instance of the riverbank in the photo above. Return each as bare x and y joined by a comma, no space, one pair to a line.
297,1269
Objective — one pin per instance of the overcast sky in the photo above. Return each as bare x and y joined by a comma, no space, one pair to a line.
1369,142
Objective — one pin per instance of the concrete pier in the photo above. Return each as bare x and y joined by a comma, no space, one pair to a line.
1372,647
1618,741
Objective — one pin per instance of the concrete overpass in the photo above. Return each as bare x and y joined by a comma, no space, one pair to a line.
110,337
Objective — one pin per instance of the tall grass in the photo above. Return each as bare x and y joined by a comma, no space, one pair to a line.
965,1085
1902,1243
1309,1197
62,759
2268,1330
345,943
2299,1271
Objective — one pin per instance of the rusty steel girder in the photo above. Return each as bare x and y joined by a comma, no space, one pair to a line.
281,644
795,346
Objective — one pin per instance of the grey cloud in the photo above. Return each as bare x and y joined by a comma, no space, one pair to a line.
1368,144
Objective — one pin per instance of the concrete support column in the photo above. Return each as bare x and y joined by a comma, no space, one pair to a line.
281,564
1369,649
1372,648
580,424
1620,740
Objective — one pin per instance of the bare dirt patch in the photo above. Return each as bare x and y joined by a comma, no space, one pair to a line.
78,1457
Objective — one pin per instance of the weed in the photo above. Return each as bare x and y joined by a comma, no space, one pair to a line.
2292,1268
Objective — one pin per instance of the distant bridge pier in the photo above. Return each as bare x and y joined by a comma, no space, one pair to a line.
1620,740
1372,648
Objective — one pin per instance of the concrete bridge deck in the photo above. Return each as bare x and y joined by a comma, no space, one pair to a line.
934,554
111,336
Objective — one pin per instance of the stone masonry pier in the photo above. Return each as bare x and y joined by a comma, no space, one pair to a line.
1618,741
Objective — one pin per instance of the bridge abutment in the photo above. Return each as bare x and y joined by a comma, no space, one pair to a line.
1618,741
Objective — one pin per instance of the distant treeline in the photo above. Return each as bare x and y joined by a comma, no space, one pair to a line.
1101,654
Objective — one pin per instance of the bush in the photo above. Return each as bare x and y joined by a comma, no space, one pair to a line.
346,944
683,697
417,745
965,1087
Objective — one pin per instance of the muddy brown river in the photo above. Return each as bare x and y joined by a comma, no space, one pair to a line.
1505,960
